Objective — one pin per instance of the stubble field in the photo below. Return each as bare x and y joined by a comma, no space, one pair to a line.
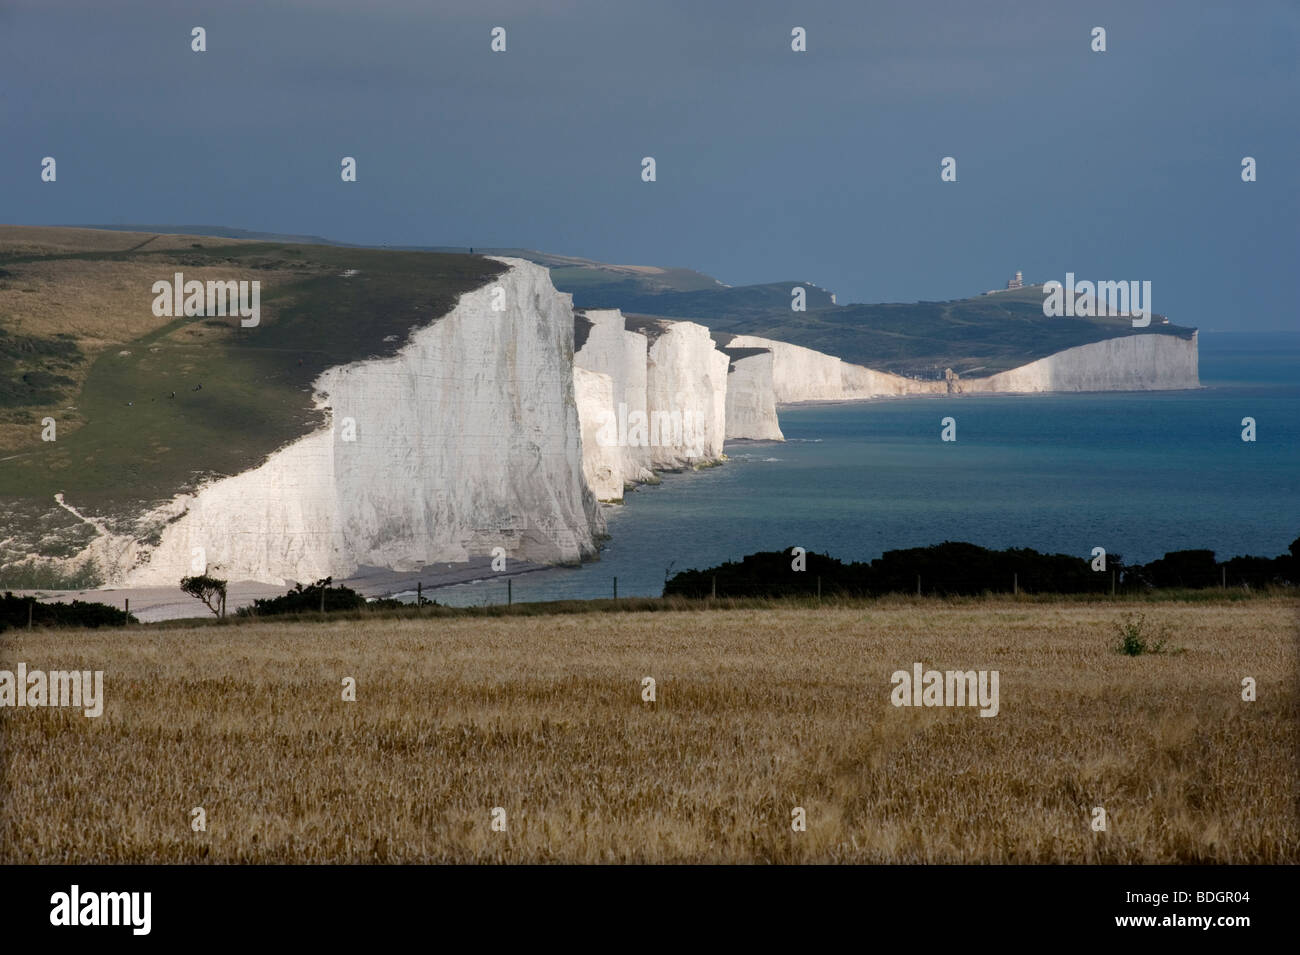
757,711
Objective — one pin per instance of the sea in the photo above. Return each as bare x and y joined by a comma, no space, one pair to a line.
1137,473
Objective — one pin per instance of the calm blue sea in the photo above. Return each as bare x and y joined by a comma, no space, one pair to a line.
1137,473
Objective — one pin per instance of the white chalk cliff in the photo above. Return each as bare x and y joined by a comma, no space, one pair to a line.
667,404
608,348
466,440
602,462
1144,362
505,429
751,395
1149,362
686,382
798,373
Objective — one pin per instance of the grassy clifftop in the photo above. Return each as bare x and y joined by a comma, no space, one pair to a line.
981,335
976,336
145,406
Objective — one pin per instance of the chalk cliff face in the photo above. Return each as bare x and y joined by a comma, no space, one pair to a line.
798,373
506,428
1131,363
751,396
667,408
602,462
609,348
1145,362
686,396
466,440
862,382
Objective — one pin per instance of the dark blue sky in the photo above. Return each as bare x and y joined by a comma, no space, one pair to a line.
821,166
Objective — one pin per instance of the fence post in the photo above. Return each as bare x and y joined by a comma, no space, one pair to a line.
1224,578
322,598
918,585
128,606
223,605
510,591
1015,584
419,596
615,588
715,586
31,602
1112,583
819,587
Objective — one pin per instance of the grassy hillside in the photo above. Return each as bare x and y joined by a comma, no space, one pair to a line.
593,284
79,343
721,307
975,336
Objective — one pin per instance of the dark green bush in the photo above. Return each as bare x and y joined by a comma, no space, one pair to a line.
306,600
78,613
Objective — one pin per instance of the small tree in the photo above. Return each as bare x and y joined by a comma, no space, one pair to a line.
208,589
1136,638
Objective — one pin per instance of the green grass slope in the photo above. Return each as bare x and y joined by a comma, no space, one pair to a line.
239,393
976,336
